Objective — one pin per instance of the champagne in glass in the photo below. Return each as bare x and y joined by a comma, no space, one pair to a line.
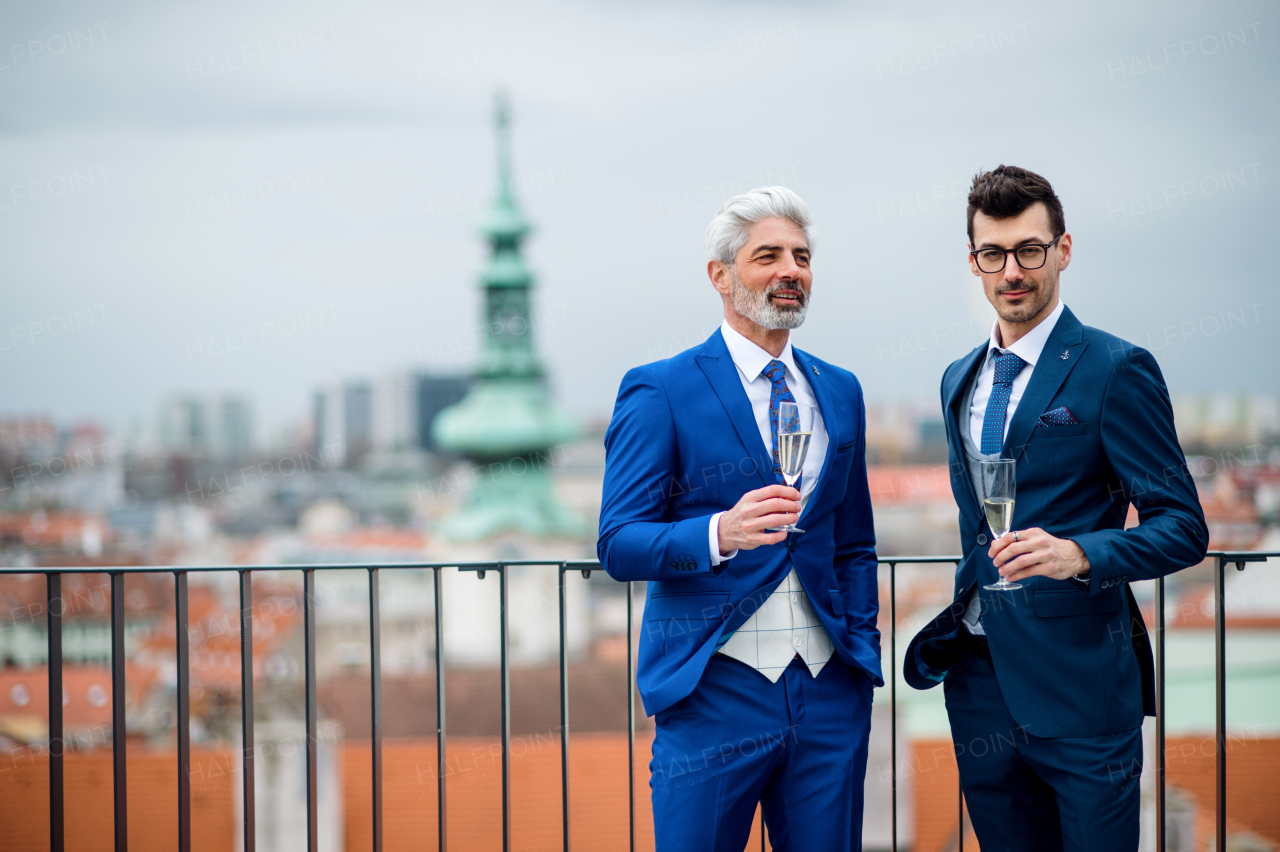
998,492
795,429
999,514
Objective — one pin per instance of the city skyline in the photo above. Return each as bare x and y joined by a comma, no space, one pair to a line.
258,201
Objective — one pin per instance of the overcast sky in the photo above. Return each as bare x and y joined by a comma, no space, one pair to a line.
259,196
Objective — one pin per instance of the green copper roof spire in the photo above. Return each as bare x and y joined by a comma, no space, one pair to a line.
506,425
505,222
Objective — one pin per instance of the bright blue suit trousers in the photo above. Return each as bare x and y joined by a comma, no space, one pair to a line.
798,746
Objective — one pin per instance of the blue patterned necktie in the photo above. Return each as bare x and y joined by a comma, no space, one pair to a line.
1008,366
775,372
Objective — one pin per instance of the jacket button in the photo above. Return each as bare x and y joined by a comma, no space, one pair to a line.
791,546
982,538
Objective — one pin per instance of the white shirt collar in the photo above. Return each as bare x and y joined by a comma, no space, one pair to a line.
750,358
1031,344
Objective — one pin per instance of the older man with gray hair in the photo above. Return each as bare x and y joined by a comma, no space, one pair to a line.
759,649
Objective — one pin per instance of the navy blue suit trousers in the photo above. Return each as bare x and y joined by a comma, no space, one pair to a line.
1026,792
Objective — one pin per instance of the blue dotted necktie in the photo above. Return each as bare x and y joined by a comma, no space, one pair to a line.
775,372
1008,366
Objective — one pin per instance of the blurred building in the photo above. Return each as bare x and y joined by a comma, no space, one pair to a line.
435,393
328,417
219,427
357,413
29,437
231,428
389,414
183,425
394,425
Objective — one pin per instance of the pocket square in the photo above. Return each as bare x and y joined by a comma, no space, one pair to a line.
1058,417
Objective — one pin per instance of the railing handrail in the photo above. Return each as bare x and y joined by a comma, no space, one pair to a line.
53,576
485,565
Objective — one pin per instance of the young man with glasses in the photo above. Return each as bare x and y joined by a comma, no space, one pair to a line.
1047,685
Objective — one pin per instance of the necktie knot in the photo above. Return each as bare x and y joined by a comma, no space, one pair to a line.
774,371
1008,366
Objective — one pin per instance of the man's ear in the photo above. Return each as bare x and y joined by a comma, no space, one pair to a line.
973,264
720,276
1064,247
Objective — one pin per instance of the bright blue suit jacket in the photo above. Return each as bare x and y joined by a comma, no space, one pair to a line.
1073,659
682,445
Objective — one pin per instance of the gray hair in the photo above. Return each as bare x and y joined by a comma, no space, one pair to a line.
727,232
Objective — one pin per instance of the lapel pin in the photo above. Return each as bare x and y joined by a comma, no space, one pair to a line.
815,370
1066,353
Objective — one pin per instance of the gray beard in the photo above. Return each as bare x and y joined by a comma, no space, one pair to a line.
757,307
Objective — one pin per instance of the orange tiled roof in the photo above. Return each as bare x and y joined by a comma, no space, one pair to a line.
86,693
908,484
40,529
390,538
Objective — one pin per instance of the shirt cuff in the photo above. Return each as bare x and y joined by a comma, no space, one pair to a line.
713,541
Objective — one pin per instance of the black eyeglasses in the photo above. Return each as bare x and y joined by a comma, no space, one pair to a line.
1029,256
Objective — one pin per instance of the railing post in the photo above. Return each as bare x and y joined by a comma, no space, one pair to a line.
442,765
564,710
631,718
1160,755
309,621
505,676
246,711
119,755
1220,696
183,651
54,608
893,705
375,709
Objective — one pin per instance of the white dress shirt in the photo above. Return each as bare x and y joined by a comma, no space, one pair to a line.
786,624
1029,348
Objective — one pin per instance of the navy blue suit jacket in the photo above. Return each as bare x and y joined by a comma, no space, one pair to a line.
1073,659
682,445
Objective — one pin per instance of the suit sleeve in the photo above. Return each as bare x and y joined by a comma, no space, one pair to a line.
855,541
1150,472
641,472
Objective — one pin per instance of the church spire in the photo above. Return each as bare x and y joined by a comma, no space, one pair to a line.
508,345
507,418
505,223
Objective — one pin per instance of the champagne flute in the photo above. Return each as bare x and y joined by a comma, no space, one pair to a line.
998,491
795,428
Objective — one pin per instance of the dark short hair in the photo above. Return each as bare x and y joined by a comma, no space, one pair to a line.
1006,191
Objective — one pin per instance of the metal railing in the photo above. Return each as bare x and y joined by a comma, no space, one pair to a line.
57,813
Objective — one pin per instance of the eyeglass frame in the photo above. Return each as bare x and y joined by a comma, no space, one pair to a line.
1006,253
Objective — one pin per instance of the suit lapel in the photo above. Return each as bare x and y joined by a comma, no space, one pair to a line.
957,414
830,417
1061,353
718,366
